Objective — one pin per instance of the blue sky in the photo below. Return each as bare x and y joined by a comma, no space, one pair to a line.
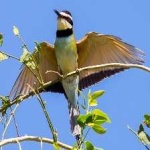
127,94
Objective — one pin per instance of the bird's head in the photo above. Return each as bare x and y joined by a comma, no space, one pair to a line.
64,20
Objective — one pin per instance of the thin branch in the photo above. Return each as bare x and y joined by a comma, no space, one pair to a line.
19,145
47,117
8,122
15,122
132,130
45,85
41,144
22,41
35,139
126,66
137,136
10,56
1,119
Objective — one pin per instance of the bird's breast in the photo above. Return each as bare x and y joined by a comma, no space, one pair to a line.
66,54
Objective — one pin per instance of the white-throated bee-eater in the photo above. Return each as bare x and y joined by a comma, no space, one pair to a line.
67,55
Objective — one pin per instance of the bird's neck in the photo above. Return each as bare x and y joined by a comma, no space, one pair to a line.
64,33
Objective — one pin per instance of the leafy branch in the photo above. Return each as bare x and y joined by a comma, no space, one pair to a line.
141,135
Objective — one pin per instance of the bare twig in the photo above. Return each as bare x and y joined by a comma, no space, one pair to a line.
41,144
15,122
19,145
132,130
8,122
55,72
1,119
33,138
45,85
45,113
47,117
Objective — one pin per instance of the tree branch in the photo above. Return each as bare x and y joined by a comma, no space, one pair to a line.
116,65
53,131
35,139
9,120
10,56
137,136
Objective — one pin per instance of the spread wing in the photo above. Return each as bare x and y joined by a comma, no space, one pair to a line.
97,49
46,61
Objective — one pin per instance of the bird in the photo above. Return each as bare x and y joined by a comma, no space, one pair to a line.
67,55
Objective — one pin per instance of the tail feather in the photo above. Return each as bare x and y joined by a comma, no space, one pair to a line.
74,112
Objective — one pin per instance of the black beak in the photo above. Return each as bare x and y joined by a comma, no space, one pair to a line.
57,13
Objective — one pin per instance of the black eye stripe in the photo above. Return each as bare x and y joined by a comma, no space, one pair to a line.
68,19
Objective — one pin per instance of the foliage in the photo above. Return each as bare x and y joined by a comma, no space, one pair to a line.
1,39
141,134
147,120
93,118
3,56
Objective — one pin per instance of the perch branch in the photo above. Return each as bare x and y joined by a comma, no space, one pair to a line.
35,139
126,66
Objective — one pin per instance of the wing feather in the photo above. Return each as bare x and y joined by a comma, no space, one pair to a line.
97,49
46,61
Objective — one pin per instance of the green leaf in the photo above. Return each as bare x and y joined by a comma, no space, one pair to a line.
92,102
141,128
99,120
15,31
147,117
1,39
38,46
92,97
89,145
147,120
81,120
3,56
98,129
5,99
25,56
144,137
27,59
97,94
94,118
5,103
98,115
89,118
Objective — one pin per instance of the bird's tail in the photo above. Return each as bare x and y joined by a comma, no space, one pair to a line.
73,114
